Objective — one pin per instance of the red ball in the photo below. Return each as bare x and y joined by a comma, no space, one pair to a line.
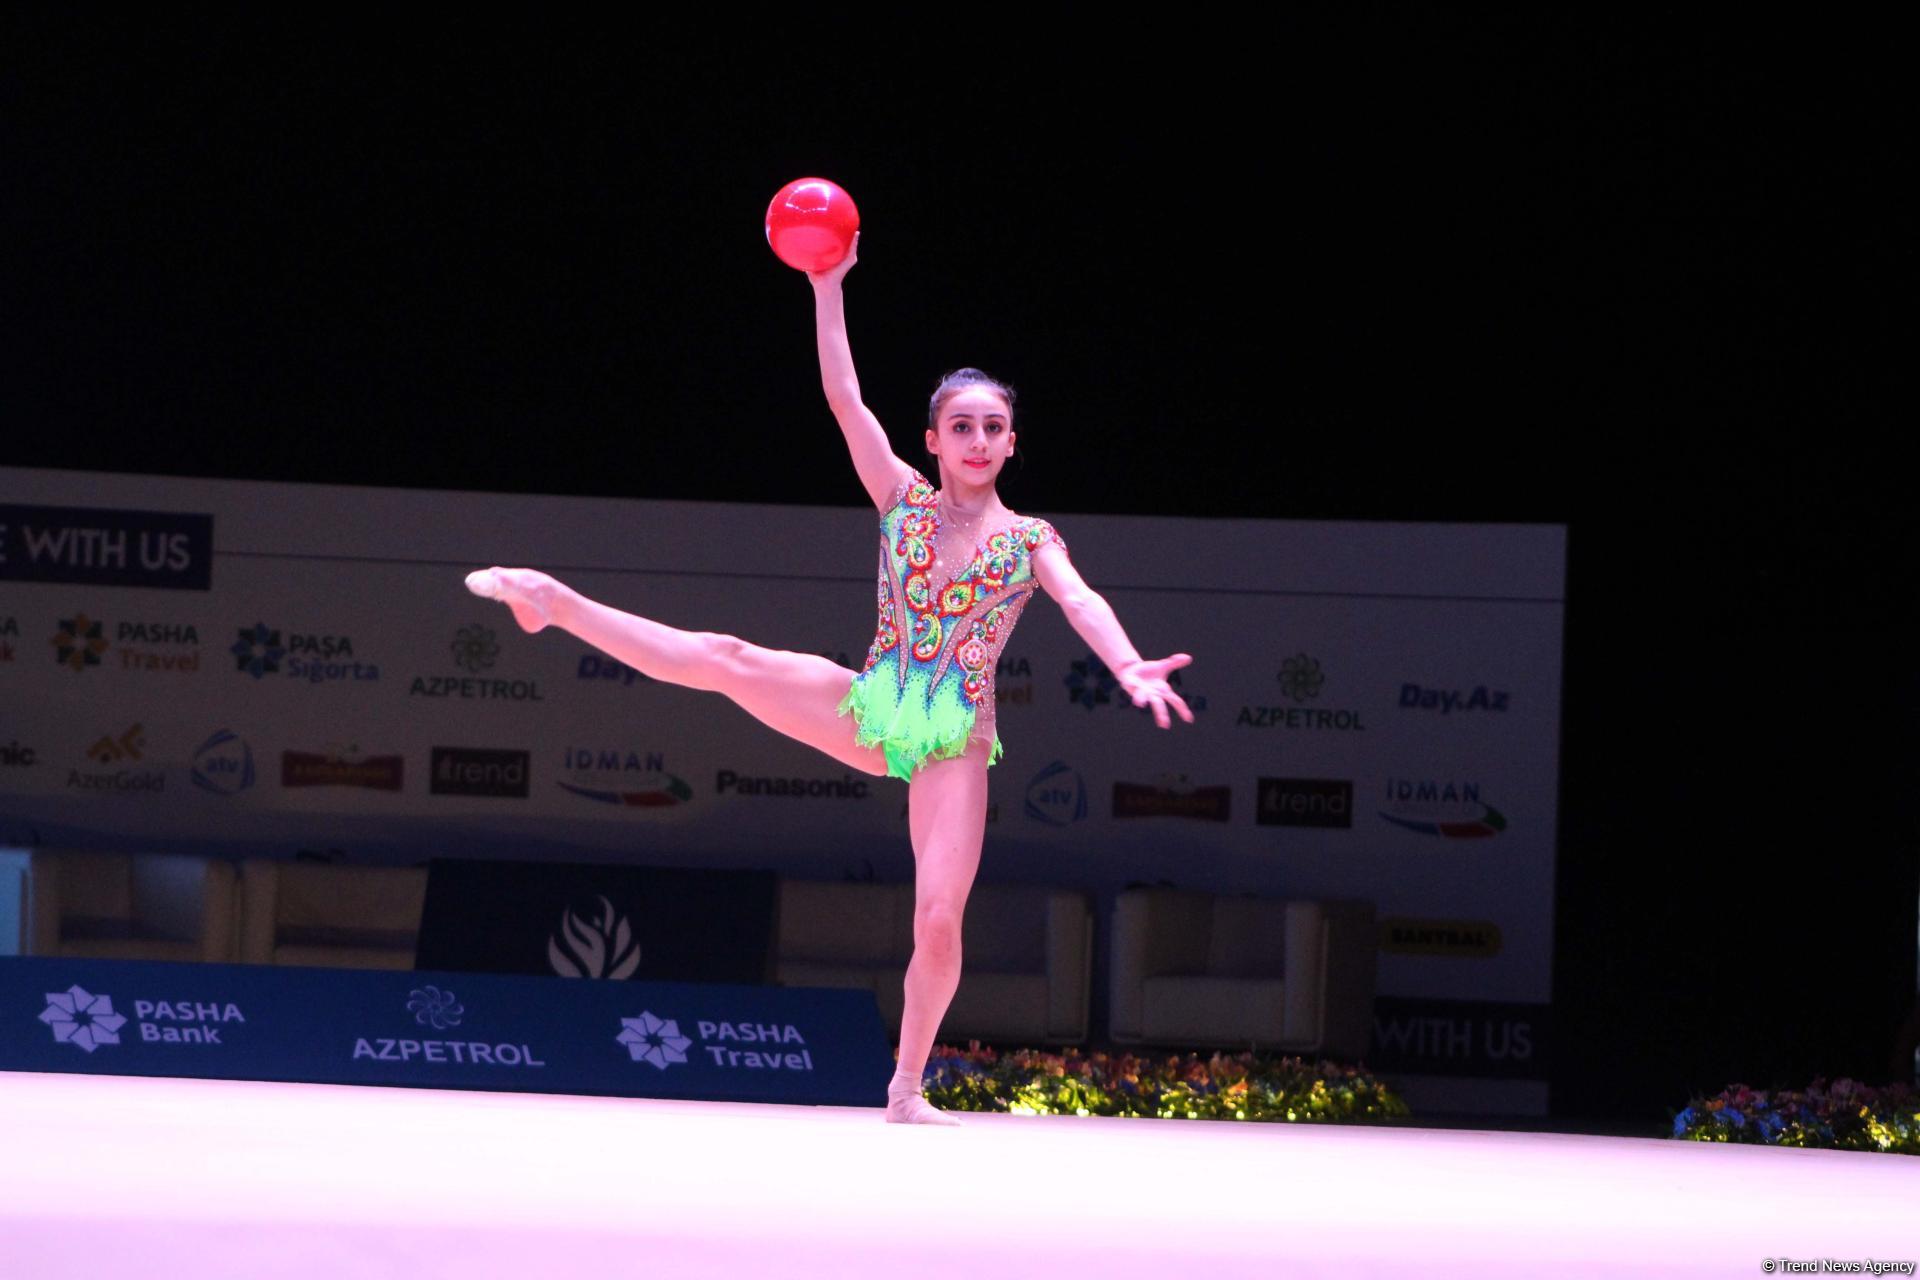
810,224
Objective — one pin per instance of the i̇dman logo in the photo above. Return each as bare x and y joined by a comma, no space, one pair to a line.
263,651
615,775
1452,810
1173,797
479,771
1417,697
475,649
1305,802
1301,680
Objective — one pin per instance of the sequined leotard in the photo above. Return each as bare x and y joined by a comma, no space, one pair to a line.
929,673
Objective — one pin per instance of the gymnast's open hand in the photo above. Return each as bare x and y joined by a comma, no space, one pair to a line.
1146,683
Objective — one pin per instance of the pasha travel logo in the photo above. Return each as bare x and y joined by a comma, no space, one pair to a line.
223,764
634,779
475,649
80,642
438,1010
602,949
1301,681
88,1022
262,651
342,767
658,1041
654,1040
121,749
1057,795
1417,697
1013,682
1449,809
9,634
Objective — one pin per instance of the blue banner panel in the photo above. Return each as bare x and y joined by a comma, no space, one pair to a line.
99,546
713,1041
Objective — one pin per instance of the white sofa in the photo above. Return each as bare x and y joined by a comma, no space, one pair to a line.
1027,955
311,913
118,906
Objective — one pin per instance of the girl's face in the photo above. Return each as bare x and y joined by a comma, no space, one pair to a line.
973,436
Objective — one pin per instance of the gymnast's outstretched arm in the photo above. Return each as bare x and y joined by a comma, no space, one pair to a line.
880,470
1095,621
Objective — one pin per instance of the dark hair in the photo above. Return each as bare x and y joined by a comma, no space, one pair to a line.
959,380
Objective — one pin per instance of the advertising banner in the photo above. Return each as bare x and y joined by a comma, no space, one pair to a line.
713,1041
1377,709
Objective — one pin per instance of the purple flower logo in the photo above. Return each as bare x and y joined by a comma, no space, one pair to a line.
649,1039
81,1019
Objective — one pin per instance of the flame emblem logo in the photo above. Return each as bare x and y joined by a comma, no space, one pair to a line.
594,950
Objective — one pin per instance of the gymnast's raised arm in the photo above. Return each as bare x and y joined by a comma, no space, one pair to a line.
881,471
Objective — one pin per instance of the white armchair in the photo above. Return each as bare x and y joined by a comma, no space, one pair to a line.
1195,969
120,906
307,913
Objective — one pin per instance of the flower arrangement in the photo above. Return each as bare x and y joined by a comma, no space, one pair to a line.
1222,1087
1845,1115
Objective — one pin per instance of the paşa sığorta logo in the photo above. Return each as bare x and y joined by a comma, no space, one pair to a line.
606,949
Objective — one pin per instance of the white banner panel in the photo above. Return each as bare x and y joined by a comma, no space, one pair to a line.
248,668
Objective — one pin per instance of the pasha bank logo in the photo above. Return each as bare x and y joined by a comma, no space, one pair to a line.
87,1021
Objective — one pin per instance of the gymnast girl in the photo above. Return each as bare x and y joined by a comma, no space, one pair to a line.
956,569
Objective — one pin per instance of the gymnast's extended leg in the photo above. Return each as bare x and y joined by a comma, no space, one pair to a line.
797,693
947,817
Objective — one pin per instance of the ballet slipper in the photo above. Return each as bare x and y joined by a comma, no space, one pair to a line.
518,589
912,1108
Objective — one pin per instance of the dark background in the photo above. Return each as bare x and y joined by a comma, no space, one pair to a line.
1642,280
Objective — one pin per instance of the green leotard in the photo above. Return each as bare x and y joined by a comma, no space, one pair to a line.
924,681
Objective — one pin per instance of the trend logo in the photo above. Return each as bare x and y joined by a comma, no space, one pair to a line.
474,648
258,650
78,1018
603,950
79,642
111,750
649,1039
223,764
1057,795
432,1007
